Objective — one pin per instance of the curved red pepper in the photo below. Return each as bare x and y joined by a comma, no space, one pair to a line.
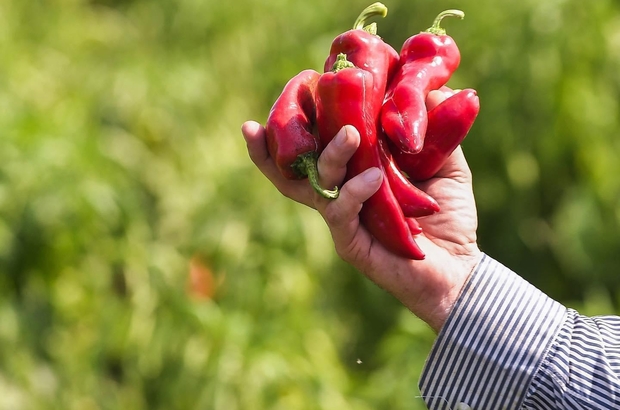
413,201
428,60
289,128
345,97
366,50
448,125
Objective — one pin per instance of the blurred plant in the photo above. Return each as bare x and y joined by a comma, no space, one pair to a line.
122,172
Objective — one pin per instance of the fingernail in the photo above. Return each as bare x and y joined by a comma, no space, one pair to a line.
341,137
371,175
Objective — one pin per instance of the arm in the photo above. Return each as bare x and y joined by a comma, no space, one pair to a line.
507,345
501,342
582,367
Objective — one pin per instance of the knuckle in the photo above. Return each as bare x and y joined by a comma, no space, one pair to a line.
332,214
351,190
326,159
354,253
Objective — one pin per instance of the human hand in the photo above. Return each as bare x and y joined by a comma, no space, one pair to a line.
429,287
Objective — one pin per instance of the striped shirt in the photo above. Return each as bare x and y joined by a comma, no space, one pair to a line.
507,345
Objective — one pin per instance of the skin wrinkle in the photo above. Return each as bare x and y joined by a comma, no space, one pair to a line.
446,302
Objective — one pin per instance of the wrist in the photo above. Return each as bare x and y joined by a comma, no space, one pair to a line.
437,299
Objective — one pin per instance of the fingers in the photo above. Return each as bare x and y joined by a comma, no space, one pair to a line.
333,161
434,98
255,138
352,243
254,135
332,165
341,215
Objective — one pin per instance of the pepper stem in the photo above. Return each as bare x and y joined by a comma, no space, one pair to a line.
436,28
342,63
375,9
306,164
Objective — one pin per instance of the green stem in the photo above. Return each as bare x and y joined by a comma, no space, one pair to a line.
375,9
341,63
306,164
436,28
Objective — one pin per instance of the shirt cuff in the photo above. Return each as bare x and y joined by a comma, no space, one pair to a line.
492,343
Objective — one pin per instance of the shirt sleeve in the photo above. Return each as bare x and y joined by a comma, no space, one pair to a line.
507,345
582,368
492,344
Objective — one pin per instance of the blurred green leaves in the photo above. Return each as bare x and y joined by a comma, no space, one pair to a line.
121,161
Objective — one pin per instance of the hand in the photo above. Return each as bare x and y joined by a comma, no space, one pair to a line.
429,288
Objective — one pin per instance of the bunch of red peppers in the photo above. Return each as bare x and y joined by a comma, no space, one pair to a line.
382,92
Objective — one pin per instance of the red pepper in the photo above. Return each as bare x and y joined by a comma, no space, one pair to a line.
428,60
413,201
366,50
345,97
290,125
414,226
448,125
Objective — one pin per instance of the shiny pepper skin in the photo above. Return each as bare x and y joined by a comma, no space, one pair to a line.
448,124
345,97
290,125
366,50
427,61
414,202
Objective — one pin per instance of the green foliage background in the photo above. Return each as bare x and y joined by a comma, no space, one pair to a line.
121,160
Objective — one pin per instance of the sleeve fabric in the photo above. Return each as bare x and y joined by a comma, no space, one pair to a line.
582,368
507,345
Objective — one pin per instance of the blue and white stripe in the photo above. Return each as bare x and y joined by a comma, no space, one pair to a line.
493,343
582,368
